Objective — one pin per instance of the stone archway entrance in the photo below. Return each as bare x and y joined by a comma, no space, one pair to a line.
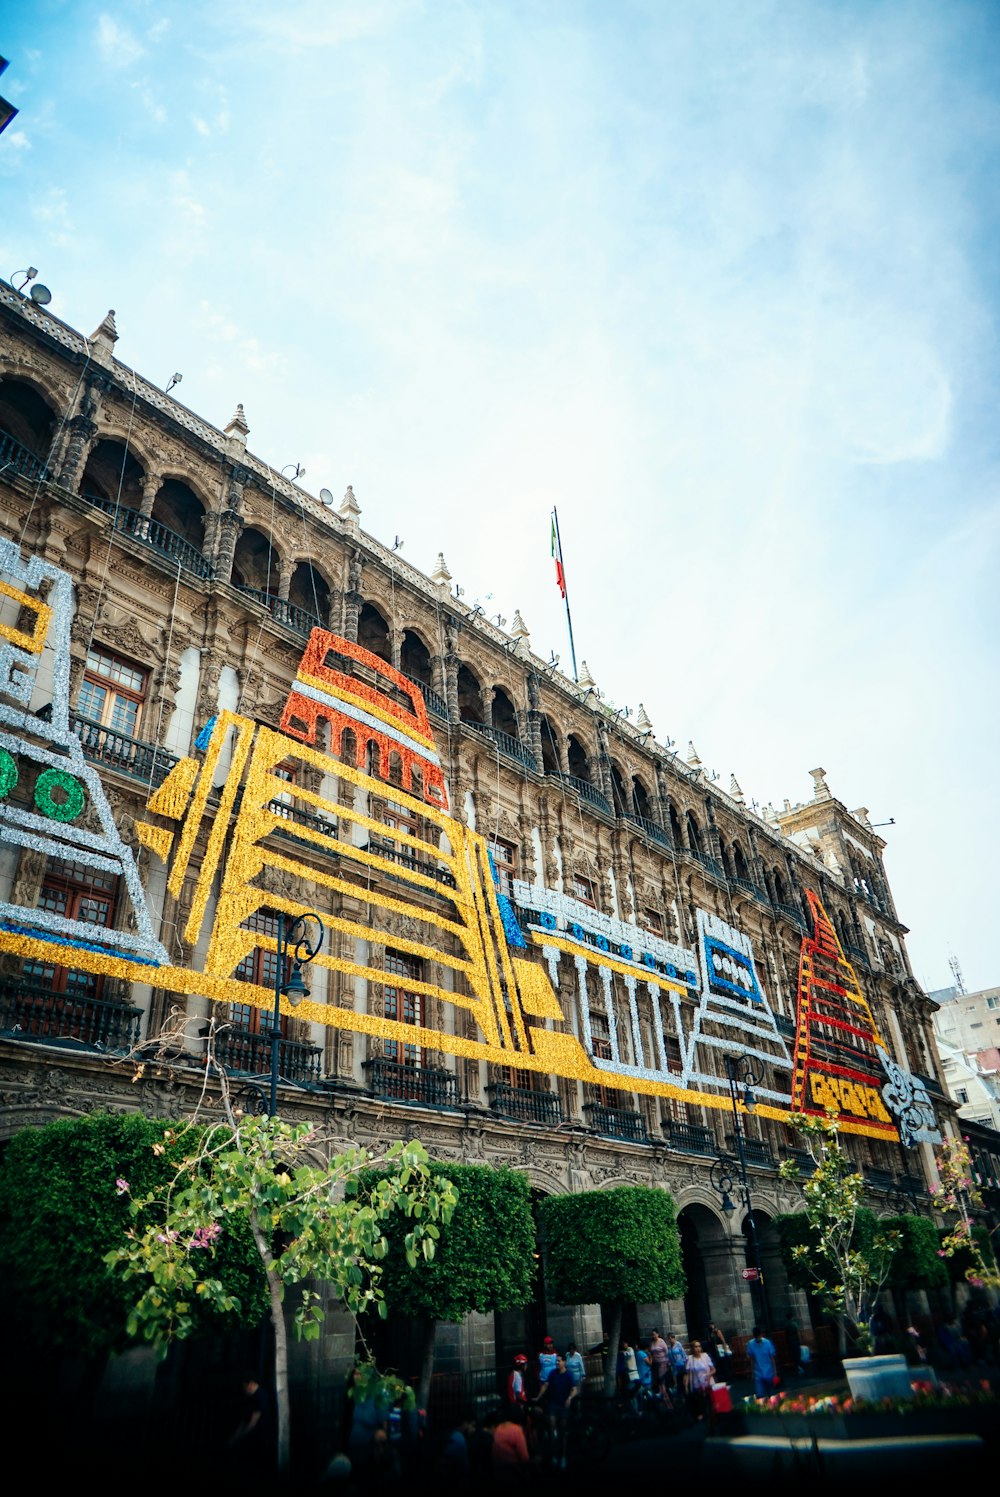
708,1257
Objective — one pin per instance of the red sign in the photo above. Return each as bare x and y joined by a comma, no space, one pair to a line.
750,1273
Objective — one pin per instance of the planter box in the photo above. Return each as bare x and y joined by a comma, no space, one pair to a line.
975,1420
873,1378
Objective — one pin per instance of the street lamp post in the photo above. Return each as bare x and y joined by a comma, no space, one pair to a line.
728,1174
296,935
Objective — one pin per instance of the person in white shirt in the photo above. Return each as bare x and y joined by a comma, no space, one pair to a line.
574,1364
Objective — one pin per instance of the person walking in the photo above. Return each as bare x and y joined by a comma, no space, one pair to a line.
546,1360
678,1367
721,1351
763,1362
575,1364
660,1358
517,1392
628,1368
558,1391
700,1370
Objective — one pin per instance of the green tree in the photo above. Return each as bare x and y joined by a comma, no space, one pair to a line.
848,1254
61,1212
612,1247
484,1262
966,1241
309,1221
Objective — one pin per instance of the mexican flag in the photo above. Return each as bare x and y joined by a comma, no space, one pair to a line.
557,556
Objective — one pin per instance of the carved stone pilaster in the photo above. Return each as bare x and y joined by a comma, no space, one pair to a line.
227,529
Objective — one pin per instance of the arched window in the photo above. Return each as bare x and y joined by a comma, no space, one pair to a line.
578,759
470,697
26,424
693,833
550,753
415,659
675,825
373,632
113,476
640,799
740,866
309,593
179,508
255,564
504,715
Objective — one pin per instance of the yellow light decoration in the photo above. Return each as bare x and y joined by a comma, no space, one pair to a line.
34,641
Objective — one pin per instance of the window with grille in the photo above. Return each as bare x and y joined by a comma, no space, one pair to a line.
113,692
401,1004
77,892
652,921
259,966
505,861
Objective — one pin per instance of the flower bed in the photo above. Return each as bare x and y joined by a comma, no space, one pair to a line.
931,1409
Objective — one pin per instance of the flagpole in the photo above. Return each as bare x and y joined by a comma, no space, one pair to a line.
569,617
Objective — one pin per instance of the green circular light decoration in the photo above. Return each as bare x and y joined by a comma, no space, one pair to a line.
8,773
58,779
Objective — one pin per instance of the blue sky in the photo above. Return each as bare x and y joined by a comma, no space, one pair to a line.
717,279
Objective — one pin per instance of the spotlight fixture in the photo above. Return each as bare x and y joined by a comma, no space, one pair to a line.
175,379
299,472
29,275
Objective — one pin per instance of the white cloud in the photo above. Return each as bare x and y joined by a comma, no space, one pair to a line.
118,46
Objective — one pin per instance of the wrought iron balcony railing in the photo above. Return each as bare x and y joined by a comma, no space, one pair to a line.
857,955
691,1138
586,791
616,1122
749,887
154,535
299,620
652,829
512,748
407,859
431,1085
878,1179
790,913
14,455
247,1052
785,1027
524,1104
296,817
801,1158
711,867
755,1151
433,700
132,756
932,1084
32,1010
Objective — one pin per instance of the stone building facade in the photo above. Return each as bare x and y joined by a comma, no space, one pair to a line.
199,574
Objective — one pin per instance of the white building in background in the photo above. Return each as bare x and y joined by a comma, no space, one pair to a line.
967,1029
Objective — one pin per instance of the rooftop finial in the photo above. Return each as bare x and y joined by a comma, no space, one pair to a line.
693,759
441,575
349,507
735,790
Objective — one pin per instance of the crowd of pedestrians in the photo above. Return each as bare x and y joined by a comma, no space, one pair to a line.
530,1432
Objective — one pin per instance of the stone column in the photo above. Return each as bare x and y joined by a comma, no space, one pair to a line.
150,488
228,527
81,429
353,600
285,569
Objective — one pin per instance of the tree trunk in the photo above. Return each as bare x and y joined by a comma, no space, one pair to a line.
429,1326
283,1445
614,1340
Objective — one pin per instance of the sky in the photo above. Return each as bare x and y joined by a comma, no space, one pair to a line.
717,279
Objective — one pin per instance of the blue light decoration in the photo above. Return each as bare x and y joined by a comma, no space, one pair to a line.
511,928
